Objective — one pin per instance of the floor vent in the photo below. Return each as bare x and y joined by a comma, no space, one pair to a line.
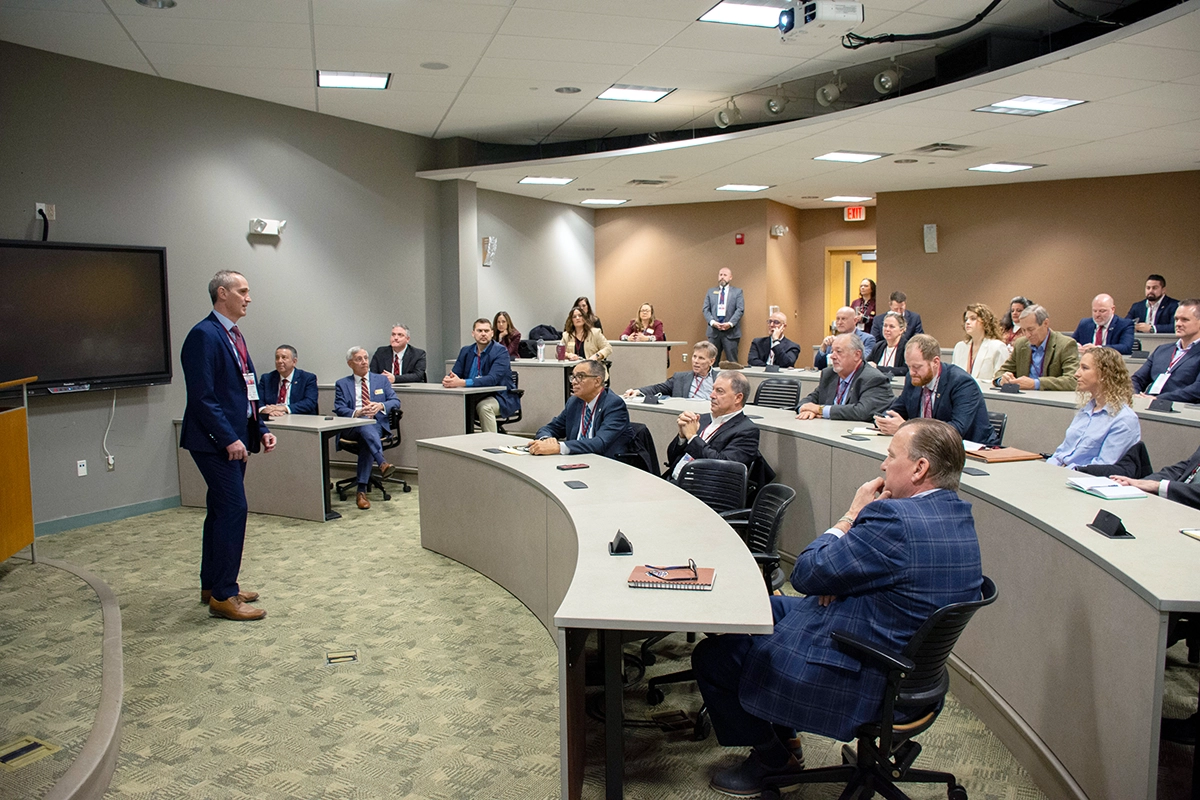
335,657
23,752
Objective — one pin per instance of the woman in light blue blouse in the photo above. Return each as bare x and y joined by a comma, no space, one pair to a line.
1105,426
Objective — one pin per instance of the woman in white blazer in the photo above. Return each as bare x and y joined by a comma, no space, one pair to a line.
981,352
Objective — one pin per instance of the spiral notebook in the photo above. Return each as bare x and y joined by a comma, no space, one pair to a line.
641,578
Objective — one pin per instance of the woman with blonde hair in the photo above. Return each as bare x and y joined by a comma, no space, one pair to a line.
982,351
644,327
1105,425
888,354
582,340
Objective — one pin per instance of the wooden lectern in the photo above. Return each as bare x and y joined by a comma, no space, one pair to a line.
16,490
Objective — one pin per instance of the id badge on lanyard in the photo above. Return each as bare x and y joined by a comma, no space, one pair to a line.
251,386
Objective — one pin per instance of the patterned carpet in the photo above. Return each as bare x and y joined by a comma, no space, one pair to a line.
454,694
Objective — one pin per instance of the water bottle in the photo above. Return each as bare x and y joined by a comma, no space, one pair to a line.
541,350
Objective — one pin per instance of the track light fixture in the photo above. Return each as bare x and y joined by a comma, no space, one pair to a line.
888,81
828,94
729,115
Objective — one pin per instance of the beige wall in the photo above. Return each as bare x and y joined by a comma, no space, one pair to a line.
669,256
1058,242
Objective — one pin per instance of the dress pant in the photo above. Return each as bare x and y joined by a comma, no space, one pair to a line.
370,449
225,523
727,345
487,409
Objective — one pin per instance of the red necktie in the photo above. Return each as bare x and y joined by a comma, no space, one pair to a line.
927,403
395,365
366,392
240,345
1099,335
282,390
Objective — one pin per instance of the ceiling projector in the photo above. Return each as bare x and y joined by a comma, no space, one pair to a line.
818,19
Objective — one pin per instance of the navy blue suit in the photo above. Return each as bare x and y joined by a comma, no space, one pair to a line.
958,400
902,560
1164,318
610,428
786,352
1119,335
1184,383
345,400
214,418
303,399
495,369
912,325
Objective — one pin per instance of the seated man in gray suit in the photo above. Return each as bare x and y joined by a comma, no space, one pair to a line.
694,385
849,388
845,321
725,433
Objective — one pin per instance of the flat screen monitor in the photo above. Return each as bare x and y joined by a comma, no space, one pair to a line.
83,317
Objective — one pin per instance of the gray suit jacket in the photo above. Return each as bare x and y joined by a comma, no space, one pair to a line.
870,394
678,385
734,306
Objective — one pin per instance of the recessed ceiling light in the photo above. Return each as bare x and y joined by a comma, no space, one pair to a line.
1030,105
542,181
634,94
157,3
1003,166
597,201
741,187
434,65
743,14
846,198
850,157
329,79
567,90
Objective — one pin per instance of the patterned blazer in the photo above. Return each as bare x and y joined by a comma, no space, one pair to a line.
902,560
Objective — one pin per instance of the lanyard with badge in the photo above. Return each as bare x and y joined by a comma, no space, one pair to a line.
1161,380
247,375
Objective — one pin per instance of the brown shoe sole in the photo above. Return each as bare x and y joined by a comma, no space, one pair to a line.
245,597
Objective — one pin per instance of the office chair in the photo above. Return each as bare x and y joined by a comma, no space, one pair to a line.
639,451
1134,464
917,682
759,529
390,441
999,421
777,393
516,415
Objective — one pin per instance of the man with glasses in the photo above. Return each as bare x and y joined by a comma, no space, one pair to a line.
486,363
694,385
1041,358
594,420
844,321
726,433
776,349
848,389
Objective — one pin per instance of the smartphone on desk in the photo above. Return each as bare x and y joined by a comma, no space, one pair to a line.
565,467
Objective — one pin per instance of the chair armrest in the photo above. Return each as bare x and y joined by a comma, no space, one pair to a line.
860,647
738,517
766,557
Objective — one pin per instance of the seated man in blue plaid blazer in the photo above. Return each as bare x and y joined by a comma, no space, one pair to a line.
906,547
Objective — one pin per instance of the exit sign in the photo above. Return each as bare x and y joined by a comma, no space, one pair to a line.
854,214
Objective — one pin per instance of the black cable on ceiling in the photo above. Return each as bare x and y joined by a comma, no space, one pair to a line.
853,41
1088,17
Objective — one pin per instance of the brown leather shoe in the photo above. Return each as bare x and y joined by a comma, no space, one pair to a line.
363,502
234,609
386,469
246,596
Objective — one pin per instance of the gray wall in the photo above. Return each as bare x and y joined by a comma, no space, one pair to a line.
133,159
545,259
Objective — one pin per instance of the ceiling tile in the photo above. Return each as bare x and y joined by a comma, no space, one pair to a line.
219,32
589,52
1180,34
274,11
588,26
412,15
445,46
161,54
1131,61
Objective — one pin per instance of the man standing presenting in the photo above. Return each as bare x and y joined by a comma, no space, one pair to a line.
1155,313
485,363
726,433
399,361
848,389
1104,328
694,385
289,390
1041,358
905,548
843,322
365,395
723,307
220,429
594,420
776,349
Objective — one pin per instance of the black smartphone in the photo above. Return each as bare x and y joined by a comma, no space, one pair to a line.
855,437
576,484
974,471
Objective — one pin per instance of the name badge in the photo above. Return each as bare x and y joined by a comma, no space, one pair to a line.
251,385
1159,382
379,391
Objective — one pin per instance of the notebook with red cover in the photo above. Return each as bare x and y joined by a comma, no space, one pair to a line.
641,578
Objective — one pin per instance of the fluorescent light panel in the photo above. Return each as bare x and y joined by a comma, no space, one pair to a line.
634,94
331,79
545,181
743,14
850,157
845,198
1030,105
1003,166
601,202
741,187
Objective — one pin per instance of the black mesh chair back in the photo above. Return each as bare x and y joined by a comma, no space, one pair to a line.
720,484
777,393
1134,464
389,442
516,415
766,517
640,452
998,421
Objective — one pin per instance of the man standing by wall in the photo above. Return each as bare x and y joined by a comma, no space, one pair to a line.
723,307
221,429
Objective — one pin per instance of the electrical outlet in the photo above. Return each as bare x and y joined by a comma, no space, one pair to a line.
81,468
47,207
685,358
112,462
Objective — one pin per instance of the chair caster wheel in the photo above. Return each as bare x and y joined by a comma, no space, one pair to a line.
341,495
770,793
956,792
407,488
703,726
654,696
